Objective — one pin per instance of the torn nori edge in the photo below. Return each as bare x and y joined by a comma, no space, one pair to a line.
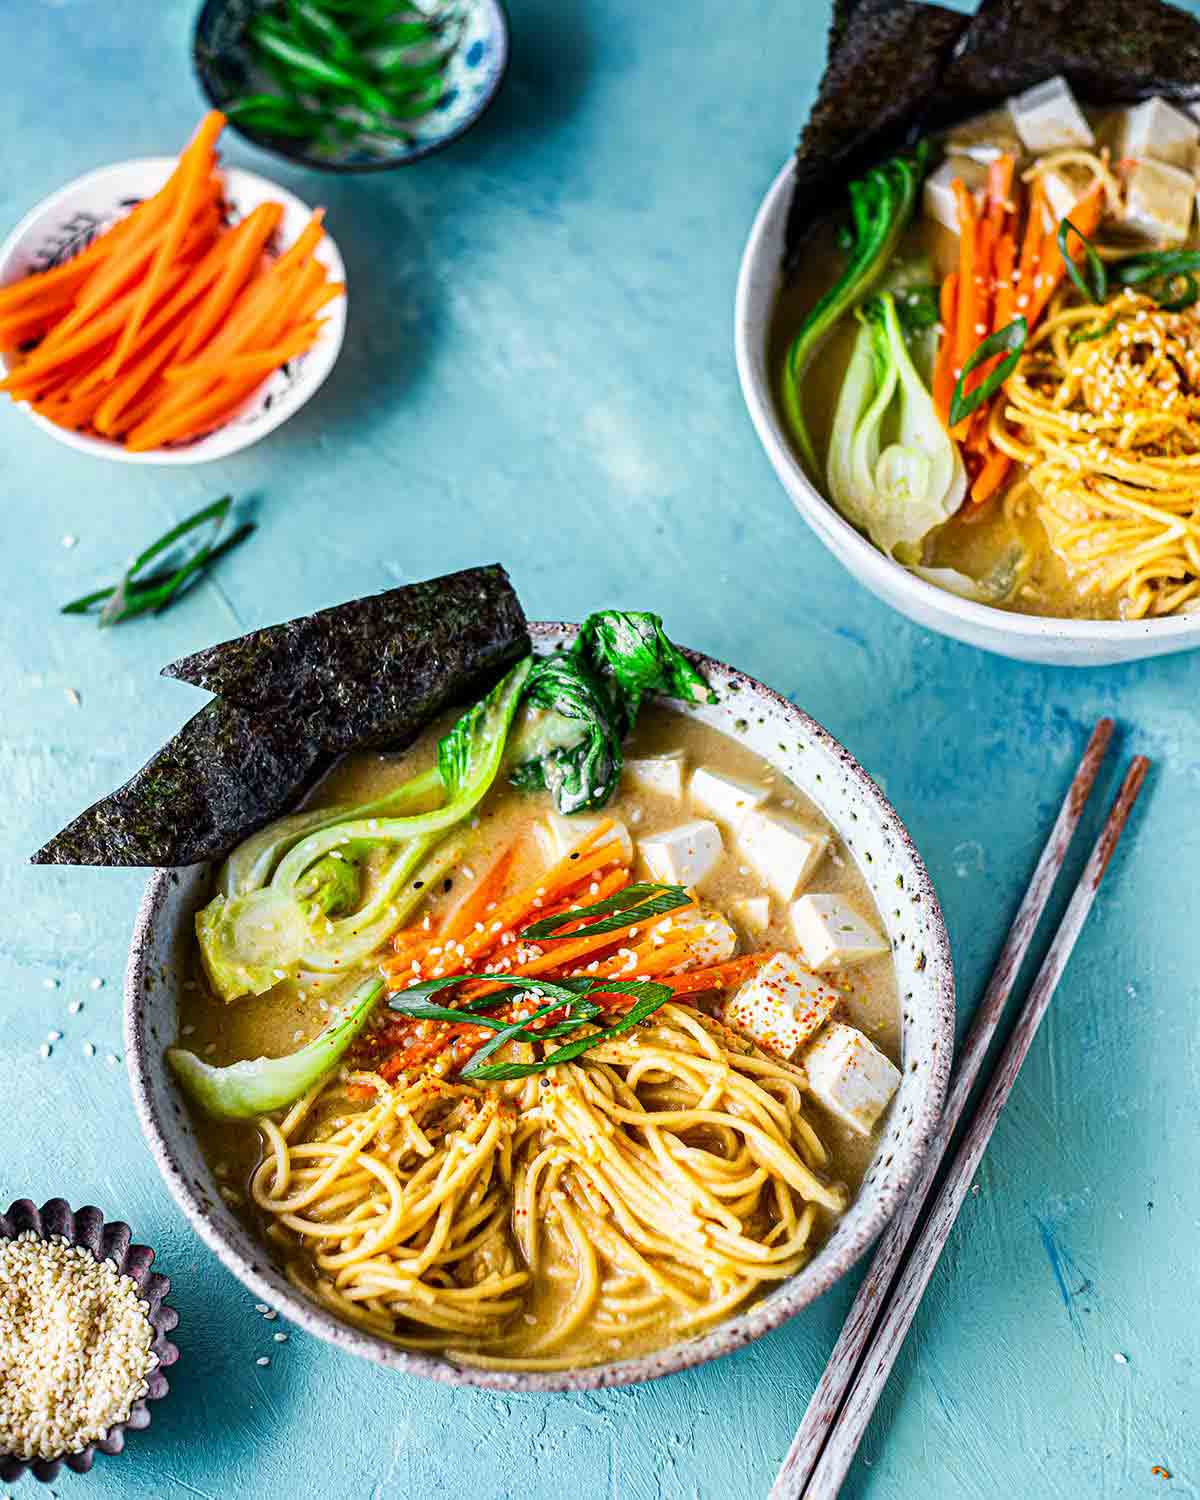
878,84
1119,51
366,674
901,70
236,766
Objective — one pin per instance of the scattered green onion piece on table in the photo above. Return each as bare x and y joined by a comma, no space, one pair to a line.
135,595
1095,286
1011,338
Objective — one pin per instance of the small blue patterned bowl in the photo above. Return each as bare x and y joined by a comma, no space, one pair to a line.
473,76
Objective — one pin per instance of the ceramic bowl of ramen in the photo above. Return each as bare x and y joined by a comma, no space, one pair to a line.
765,302
661,1199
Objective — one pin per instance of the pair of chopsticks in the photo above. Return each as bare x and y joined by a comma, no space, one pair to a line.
883,1311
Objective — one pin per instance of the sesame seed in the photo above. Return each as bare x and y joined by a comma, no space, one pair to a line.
44,1050
50,984
75,1007
89,1049
262,1360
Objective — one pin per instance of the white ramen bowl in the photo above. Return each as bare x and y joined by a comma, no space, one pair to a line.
793,744
67,222
1069,643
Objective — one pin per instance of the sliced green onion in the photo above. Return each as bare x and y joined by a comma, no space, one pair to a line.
1089,335
1095,289
636,902
1011,337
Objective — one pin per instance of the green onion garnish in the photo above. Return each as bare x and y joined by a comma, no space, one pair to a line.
1011,337
1165,275
1095,288
642,900
136,595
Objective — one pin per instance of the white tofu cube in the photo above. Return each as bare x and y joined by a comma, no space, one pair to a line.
985,138
661,775
849,1075
1048,119
711,937
782,1006
1062,189
1159,131
831,934
1159,201
685,855
782,853
558,836
724,797
753,914
939,195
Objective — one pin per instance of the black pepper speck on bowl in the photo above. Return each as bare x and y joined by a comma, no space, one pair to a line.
112,1242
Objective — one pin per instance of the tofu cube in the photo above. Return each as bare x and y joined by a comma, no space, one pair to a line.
1159,201
685,855
849,1075
1047,118
939,196
559,835
782,853
712,938
1157,130
782,1006
985,138
724,797
753,914
1062,188
831,934
661,775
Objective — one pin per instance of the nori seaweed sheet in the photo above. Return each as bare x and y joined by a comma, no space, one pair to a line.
878,84
1107,49
370,674
900,70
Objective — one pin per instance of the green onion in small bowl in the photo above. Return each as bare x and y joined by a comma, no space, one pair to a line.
351,85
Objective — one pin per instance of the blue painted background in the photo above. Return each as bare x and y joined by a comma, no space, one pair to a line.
539,369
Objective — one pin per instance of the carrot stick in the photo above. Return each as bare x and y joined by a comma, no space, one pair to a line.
943,370
243,248
196,164
719,976
1031,248
190,421
255,364
135,378
1085,215
1000,181
990,477
965,336
474,905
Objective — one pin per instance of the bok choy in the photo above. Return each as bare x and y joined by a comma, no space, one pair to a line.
320,891
244,1090
894,470
881,206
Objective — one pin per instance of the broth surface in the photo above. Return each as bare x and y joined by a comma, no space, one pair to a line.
292,1013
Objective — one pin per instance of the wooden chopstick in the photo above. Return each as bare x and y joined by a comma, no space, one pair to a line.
846,1432
848,1352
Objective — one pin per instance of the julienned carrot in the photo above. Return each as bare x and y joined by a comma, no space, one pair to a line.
1085,216
1031,247
196,167
1000,181
990,477
718,976
117,399
243,249
207,412
967,315
258,363
486,892
943,369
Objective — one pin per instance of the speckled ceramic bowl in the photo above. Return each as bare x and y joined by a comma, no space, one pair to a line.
86,1227
472,80
799,748
1056,642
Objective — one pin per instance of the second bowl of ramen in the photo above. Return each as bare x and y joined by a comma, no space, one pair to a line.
459,1202
1014,467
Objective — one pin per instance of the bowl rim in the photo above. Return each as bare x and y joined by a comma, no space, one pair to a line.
733,1333
297,157
883,572
326,350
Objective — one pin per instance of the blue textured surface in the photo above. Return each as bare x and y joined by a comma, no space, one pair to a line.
539,369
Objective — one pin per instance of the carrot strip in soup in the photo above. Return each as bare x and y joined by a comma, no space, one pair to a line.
943,370
1085,216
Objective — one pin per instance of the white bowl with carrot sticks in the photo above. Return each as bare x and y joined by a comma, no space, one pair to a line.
1050,640
169,311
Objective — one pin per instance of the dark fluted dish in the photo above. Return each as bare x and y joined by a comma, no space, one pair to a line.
87,1229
